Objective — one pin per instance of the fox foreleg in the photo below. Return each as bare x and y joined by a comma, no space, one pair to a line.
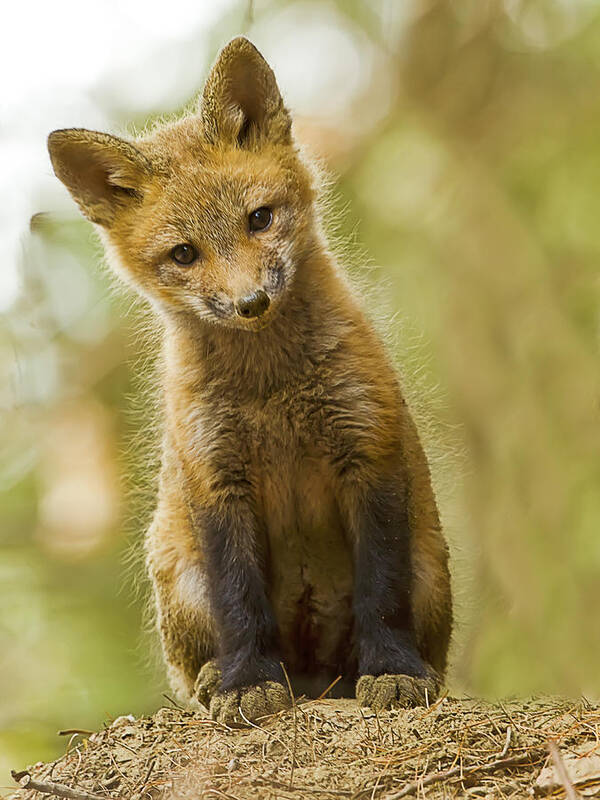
391,669
247,674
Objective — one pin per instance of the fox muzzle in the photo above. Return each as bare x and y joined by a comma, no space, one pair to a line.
253,305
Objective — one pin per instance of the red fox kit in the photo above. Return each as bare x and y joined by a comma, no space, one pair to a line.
295,520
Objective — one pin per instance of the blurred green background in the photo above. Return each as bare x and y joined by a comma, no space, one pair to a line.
464,137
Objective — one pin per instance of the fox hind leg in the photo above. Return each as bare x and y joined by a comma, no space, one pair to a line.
432,598
186,637
182,611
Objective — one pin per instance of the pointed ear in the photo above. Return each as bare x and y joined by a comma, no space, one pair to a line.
103,173
241,102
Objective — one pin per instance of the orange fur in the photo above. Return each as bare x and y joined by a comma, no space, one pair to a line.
289,416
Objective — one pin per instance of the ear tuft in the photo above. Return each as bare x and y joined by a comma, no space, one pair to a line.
241,103
103,173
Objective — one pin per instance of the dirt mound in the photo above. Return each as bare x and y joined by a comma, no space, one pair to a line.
333,748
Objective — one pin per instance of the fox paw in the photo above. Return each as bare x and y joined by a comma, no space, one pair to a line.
207,683
396,691
254,701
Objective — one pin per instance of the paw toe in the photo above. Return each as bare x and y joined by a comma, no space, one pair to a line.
224,707
266,698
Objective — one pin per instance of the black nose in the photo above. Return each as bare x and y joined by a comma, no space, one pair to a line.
253,305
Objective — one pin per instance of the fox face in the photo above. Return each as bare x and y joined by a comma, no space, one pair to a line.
211,216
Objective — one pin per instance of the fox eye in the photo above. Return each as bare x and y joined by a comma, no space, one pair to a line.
184,254
260,219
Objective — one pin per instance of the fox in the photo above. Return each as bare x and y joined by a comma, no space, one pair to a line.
296,538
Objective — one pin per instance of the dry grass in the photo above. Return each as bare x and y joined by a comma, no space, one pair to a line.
333,748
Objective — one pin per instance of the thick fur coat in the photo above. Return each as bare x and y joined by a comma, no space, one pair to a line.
295,521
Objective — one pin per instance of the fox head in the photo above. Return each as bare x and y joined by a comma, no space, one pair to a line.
212,215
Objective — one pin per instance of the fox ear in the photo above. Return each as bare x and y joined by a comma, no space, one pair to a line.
241,102
103,173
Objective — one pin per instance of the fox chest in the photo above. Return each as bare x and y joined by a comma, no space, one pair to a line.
283,456
308,553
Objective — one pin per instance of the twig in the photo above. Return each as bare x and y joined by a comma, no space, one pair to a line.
287,679
330,687
433,706
170,699
463,771
149,772
509,715
380,776
506,743
71,740
561,770
25,781
71,731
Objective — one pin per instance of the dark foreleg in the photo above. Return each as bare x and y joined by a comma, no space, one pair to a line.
246,631
392,670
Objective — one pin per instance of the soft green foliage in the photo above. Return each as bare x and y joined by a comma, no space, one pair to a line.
475,193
